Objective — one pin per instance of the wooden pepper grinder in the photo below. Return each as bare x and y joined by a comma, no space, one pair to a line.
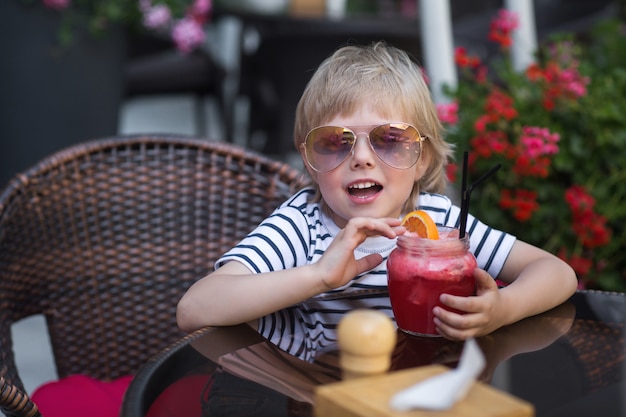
366,340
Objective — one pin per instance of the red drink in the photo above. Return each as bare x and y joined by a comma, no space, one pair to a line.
419,270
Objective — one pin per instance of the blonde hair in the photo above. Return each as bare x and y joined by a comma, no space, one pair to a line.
389,80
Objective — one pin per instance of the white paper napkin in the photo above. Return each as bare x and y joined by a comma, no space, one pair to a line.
442,391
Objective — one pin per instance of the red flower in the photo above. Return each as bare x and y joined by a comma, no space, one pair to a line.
489,143
480,125
500,104
470,63
589,226
451,170
526,166
578,199
481,74
591,229
464,60
522,203
534,72
502,26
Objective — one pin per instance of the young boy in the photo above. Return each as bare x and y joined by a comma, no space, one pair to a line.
369,136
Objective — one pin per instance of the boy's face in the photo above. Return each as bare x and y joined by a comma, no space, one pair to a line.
363,185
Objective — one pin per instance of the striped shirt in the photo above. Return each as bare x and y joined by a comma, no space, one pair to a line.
298,233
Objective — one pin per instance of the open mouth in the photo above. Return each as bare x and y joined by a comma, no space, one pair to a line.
364,189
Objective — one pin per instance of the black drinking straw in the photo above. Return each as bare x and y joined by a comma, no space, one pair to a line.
464,197
466,191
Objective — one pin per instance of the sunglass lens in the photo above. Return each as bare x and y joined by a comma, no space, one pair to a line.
397,144
328,146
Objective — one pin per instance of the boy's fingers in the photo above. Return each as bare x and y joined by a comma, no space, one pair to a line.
484,282
368,262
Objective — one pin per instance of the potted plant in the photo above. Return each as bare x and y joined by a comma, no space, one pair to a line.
182,20
64,60
559,132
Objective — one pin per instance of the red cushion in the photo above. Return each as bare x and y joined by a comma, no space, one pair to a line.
81,395
182,398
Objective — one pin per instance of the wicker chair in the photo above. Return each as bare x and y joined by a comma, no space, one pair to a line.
103,238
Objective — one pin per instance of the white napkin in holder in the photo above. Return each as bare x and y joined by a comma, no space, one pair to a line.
442,391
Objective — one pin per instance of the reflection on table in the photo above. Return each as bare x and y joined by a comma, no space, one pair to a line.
567,361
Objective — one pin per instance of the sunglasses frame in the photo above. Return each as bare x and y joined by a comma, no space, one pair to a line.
419,139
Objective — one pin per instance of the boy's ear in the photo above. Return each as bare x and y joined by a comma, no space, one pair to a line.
422,164
311,171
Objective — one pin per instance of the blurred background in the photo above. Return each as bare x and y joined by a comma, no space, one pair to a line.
240,84
61,84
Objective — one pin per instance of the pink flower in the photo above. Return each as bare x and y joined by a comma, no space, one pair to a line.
506,21
187,34
157,17
539,141
573,82
532,145
57,4
184,21
448,113
201,7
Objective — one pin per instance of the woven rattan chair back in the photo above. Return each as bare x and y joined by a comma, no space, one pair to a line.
14,402
103,238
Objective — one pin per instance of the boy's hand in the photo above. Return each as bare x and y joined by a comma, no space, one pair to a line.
338,265
482,311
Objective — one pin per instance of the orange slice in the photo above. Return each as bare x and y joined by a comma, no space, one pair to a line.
420,222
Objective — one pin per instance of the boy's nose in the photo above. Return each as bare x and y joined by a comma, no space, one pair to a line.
362,153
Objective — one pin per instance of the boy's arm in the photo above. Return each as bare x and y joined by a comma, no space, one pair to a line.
538,281
233,294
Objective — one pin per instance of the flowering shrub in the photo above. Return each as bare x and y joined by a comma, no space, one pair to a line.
183,20
559,131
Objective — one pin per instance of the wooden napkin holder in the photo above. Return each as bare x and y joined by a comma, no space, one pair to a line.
370,396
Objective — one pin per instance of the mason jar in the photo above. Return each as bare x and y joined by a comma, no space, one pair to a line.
419,270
